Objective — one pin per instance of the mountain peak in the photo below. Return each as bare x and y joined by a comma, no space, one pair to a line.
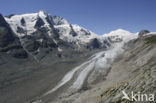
121,33
118,32
42,13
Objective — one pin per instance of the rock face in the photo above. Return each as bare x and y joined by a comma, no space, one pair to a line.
94,43
9,42
39,23
6,35
143,32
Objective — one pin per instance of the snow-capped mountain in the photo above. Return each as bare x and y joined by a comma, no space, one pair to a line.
40,33
29,24
120,34
74,33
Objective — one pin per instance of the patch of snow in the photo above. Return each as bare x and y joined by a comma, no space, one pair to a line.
59,49
40,40
59,20
83,35
30,20
120,33
151,33
55,41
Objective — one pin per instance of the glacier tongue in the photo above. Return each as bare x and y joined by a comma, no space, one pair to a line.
98,63
101,63
66,78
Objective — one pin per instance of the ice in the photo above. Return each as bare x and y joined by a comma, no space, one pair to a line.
66,78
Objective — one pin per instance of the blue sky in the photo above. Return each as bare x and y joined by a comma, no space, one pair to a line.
99,16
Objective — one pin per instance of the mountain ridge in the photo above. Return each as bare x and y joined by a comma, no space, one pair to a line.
41,31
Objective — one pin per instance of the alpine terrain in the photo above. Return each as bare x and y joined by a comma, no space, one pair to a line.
46,59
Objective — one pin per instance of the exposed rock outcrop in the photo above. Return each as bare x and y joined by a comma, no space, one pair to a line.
143,32
9,42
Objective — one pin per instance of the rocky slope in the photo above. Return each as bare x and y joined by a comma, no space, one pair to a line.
9,42
137,74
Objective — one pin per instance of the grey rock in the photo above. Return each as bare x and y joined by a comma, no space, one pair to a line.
9,43
143,32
